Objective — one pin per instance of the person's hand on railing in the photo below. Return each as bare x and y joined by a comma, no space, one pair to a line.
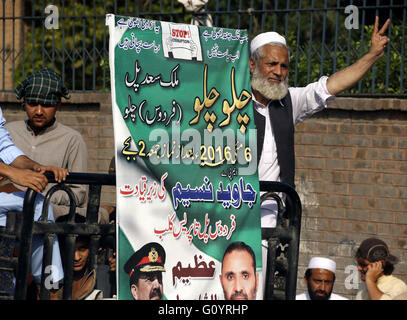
27,178
59,173
24,163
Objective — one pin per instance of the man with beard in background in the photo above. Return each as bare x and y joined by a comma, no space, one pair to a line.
320,279
145,268
278,108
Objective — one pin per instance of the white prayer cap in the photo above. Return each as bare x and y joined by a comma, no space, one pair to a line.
264,38
322,263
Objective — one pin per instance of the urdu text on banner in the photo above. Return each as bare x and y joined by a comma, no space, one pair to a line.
185,147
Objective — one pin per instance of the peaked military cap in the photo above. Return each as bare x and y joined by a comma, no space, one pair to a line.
149,258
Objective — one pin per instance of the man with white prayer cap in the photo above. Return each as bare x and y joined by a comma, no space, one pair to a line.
278,108
319,279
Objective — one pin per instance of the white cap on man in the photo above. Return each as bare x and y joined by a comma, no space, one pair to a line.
264,38
322,263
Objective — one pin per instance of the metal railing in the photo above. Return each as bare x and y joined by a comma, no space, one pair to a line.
283,242
71,37
282,254
24,228
8,263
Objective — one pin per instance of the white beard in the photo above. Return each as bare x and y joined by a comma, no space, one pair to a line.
271,91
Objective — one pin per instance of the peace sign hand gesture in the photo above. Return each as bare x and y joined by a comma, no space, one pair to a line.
379,40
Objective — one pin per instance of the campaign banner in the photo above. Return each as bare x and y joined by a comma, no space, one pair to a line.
186,168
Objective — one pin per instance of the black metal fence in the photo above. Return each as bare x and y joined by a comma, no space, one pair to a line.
282,253
324,36
21,227
283,242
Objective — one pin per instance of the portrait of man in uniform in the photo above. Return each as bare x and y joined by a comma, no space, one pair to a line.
145,268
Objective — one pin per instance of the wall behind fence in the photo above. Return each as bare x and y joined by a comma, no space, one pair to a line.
351,174
352,179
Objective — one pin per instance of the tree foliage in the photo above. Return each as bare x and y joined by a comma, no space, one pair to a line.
319,43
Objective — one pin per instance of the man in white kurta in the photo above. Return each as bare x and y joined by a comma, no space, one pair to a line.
320,279
275,104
